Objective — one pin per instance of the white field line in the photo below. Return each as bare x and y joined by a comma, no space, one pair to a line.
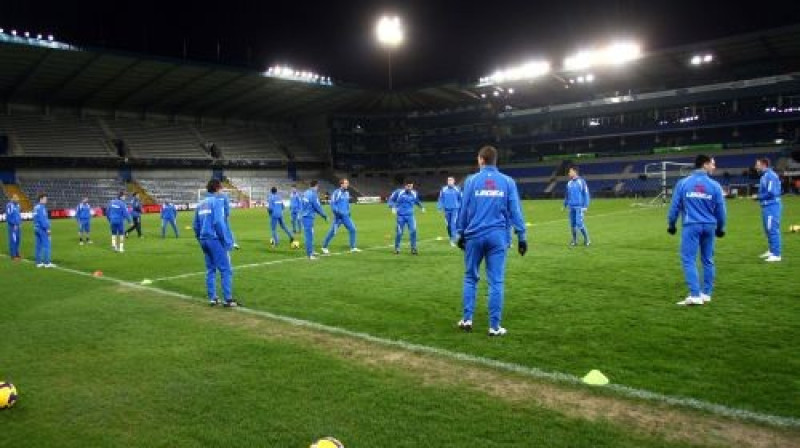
532,372
388,246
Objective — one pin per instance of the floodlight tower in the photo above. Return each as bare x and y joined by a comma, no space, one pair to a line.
389,32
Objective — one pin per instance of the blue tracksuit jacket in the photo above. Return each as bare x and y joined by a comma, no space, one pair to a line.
577,194
404,201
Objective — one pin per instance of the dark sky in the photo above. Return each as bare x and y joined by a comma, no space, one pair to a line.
446,40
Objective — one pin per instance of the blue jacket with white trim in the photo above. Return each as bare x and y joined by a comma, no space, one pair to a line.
340,202
275,204
169,212
41,220
769,188
209,221
13,215
83,212
117,211
295,203
577,194
404,201
699,199
449,198
311,205
490,202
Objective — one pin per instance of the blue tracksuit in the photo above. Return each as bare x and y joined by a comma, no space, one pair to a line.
41,229
136,215
226,209
210,230
577,199
699,199
14,221
403,201
490,203
83,214
311,207
295,208
769,195
340,205
169,215
450,203
275,208
117,214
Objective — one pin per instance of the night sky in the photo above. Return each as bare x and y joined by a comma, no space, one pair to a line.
445,40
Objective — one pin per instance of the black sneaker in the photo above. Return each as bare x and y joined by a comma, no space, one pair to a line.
397,251
465,325
414,252
231,304
213,302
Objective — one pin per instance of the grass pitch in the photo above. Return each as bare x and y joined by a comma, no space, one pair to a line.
104,364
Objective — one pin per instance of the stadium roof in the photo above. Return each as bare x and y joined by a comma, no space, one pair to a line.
102,79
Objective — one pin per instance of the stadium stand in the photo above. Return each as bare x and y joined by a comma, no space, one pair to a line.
146,139
66,193
36,135
178,190
243,142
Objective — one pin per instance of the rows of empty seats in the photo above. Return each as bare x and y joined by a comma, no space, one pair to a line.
146,139
260,186
181,191
55,136
67,193
301,152
531,171
243,143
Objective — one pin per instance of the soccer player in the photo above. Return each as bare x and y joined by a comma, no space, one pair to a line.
450,203
210,230
491,200
340,205
117,214
769,196
41,229
576,200
699,199
311,207
169,215
275,210
402,203
136,214
14,221
226,207
296,208
83,214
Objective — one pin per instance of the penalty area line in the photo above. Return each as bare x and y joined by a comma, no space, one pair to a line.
532,372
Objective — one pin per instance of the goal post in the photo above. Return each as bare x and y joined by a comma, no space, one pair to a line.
662,170
241,197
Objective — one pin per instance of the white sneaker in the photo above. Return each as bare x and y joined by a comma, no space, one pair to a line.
40,265
50,265
773,259
499,331
325,251
313,257
452,244
81,243
355,249
465,325
690,301
766,254
705,297
121,250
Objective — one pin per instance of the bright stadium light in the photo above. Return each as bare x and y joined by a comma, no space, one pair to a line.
50,37
590,78
27,34
389,31
708,58
696,60
618,53
525,72
13,32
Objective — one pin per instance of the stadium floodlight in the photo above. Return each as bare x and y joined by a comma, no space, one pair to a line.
2,30
13,32
618,53
483,95
389,31
39,36
696,60
510,91
50,37
590,78
708,58
525,72
27,34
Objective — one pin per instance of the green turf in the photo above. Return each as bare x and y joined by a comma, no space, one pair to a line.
99,365
610,306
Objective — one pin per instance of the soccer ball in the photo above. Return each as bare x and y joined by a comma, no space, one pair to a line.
8,395
795,228
295,244
327,442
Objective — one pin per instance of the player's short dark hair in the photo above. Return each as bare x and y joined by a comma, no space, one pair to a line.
489,155
214,185
273,190
408,182
764,161
701,160
135,193
342,180
575,167
40,196
313,183
121,194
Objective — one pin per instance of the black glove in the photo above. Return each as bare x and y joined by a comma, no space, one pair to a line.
522,247
461,243
719,233
671,230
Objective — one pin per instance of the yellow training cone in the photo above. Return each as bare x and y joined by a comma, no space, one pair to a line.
595,378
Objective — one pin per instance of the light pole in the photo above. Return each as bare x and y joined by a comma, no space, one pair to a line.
389,32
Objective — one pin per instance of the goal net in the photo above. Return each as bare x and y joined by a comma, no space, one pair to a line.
241,197
667,173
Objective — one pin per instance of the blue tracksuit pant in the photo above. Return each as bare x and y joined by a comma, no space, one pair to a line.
308,233
164,223
296,222
275,222
576,223
84,225
341,220
450,217
402,222
696,237
771,217
42,246
492,248
14,240
217,259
